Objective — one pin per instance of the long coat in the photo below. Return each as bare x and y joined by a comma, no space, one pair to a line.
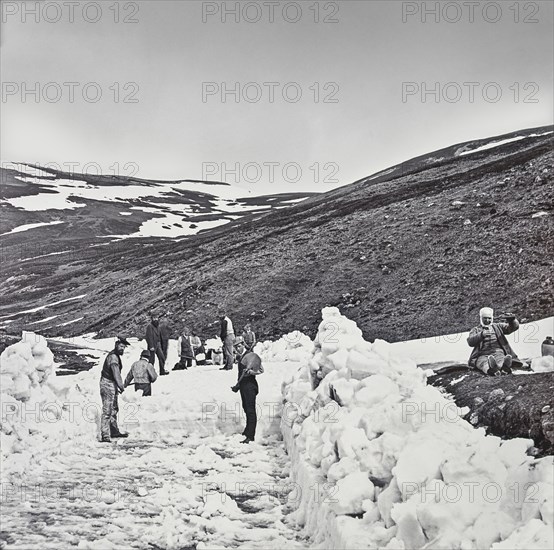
475,339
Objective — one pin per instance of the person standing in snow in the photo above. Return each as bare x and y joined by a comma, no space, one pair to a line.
143,374
492,353
227,335
249,337
250,364
154,342
186,353
197,348
111,385
165,334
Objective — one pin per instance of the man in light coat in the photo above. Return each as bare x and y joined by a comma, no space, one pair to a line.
143,374
492,354
227,335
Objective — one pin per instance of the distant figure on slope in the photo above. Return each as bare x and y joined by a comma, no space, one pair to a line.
111,385
143,374
186,353
250,365
154,342
165,334
249,337
227,335
492,353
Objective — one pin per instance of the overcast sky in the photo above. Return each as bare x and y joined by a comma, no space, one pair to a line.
162,71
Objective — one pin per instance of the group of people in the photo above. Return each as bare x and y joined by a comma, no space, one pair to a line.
492,355
143,374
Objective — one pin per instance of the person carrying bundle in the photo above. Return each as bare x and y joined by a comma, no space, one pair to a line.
143,374
250,365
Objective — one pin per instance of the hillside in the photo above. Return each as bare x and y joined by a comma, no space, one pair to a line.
412,251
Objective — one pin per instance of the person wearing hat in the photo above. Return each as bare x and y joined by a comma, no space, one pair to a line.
250,365
143,374
249,337
154,342
186,353
492,354
166,332
227,335
111,385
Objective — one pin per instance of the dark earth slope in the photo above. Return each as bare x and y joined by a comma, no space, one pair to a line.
409,253
509,406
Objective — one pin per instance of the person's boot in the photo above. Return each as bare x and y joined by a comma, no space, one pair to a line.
507,365
493,367
120,434
105,440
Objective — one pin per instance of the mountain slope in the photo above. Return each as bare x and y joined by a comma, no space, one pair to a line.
100,209
406,254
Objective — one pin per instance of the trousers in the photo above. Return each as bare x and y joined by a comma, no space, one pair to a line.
248,393
228,354
110,408
145,387
161,357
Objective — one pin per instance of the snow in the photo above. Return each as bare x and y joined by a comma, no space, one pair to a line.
221,199
385,447
45,320
39,308
526,342
499,143
168,225
375,458
70,322
181,479
28,226
45,255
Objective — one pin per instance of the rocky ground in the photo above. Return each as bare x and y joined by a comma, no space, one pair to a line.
508,406
410,252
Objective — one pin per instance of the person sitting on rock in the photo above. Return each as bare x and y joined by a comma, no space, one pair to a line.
492,353
143,374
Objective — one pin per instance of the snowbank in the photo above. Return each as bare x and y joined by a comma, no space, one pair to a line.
37,415
294,346
387,461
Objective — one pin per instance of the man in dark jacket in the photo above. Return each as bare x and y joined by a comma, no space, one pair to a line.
250,364
165,334
227,335
154,342
110,385
492,354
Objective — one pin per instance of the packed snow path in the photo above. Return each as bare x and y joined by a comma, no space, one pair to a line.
181,480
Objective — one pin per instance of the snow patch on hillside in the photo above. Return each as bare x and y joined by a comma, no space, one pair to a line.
28,226
463,151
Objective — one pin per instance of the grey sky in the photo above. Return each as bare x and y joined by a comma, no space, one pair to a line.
361,61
